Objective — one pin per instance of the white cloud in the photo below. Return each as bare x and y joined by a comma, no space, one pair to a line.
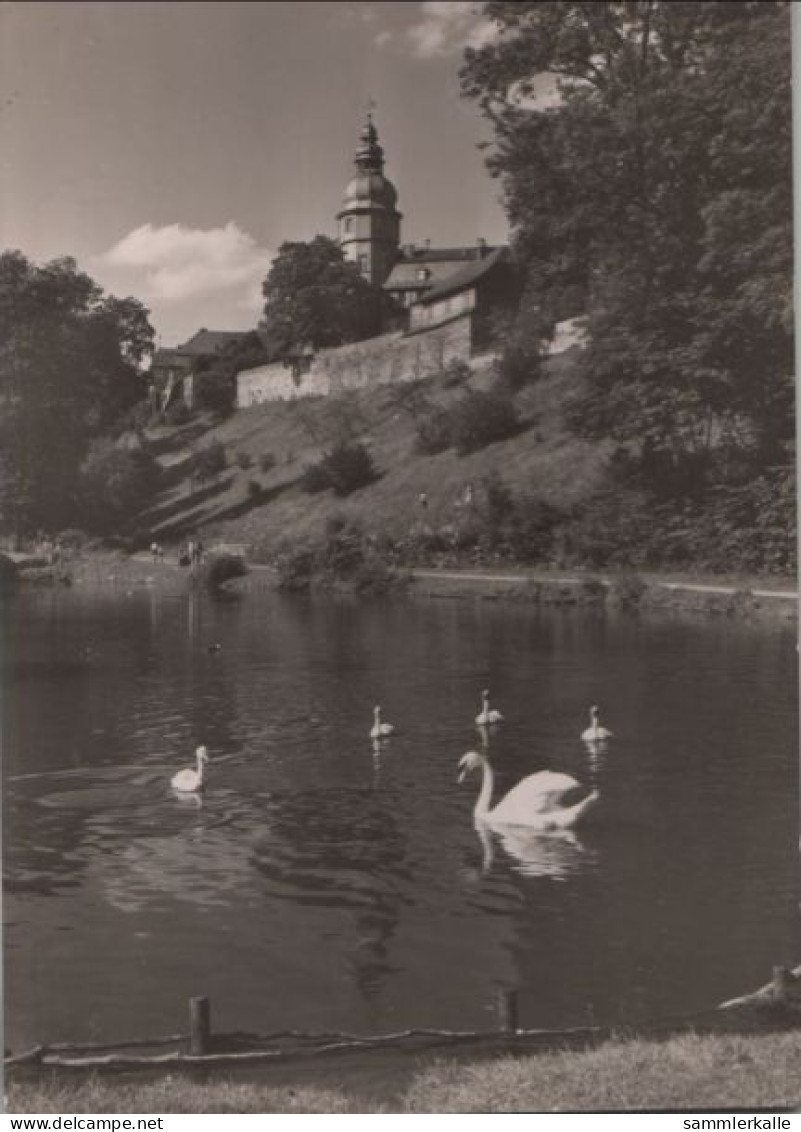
174,263
540,93
447,27
383,38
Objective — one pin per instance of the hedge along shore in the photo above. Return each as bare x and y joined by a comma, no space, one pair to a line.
774,600
633,593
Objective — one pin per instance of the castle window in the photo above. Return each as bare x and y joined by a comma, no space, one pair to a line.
348,223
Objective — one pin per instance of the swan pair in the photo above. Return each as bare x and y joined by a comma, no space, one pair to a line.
487,716
190,780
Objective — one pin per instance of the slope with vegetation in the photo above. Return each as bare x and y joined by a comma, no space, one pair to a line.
649,192
463,468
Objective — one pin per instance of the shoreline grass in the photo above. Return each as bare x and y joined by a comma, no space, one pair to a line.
683,1073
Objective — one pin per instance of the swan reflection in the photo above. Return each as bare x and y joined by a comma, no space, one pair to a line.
558,855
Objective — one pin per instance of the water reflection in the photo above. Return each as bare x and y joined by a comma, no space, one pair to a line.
557,855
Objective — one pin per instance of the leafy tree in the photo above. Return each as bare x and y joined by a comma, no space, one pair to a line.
315,297
656,183
70,364
215,378
116,482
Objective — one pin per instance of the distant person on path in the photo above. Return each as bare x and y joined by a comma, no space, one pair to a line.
468,495
154,551
422,499
198,553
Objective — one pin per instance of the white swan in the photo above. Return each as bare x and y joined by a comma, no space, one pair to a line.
380,730
487,714
189,780
537,802
595,733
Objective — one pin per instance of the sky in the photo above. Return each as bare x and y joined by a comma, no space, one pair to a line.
170,148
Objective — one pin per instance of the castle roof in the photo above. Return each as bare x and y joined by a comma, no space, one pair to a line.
467,276
411,253
439,265
207,342
203,344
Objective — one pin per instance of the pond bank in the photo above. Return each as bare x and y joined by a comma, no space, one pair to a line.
683,1072
774,600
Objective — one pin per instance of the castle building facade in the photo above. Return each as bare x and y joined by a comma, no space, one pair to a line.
448,297
369,229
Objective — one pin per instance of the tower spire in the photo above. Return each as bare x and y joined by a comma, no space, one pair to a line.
369,154
369,222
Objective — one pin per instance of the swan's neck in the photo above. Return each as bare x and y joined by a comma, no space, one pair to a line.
485,794
485,838
200,768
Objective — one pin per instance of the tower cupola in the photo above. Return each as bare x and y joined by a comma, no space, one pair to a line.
369,222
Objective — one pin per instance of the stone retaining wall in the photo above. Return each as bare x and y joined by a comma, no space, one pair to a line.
387,360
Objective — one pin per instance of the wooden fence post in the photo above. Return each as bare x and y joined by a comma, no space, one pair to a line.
199,1026
507,1010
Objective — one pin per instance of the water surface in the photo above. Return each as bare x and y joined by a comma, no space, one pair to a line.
321,885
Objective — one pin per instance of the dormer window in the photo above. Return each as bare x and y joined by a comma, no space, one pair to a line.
423,274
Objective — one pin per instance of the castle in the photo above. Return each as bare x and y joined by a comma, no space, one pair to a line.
449,296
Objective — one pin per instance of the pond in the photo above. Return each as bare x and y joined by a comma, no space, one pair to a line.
321,885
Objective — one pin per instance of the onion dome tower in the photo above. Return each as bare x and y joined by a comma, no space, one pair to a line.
369,222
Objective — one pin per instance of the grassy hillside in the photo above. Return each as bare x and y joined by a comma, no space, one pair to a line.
249,506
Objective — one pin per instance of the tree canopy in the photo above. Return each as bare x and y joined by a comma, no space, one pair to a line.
315,297
70,363
645,154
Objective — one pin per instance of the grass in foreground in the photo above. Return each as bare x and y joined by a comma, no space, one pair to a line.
689,1072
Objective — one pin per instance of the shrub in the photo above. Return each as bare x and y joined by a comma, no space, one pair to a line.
345,553
244,460
295,567
216,569
433,433
482,418
176,414
455,373
134,419
345,468
314,478
628,590
73,538
593,589
254,489
267,462
350,466
209,460
8,572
